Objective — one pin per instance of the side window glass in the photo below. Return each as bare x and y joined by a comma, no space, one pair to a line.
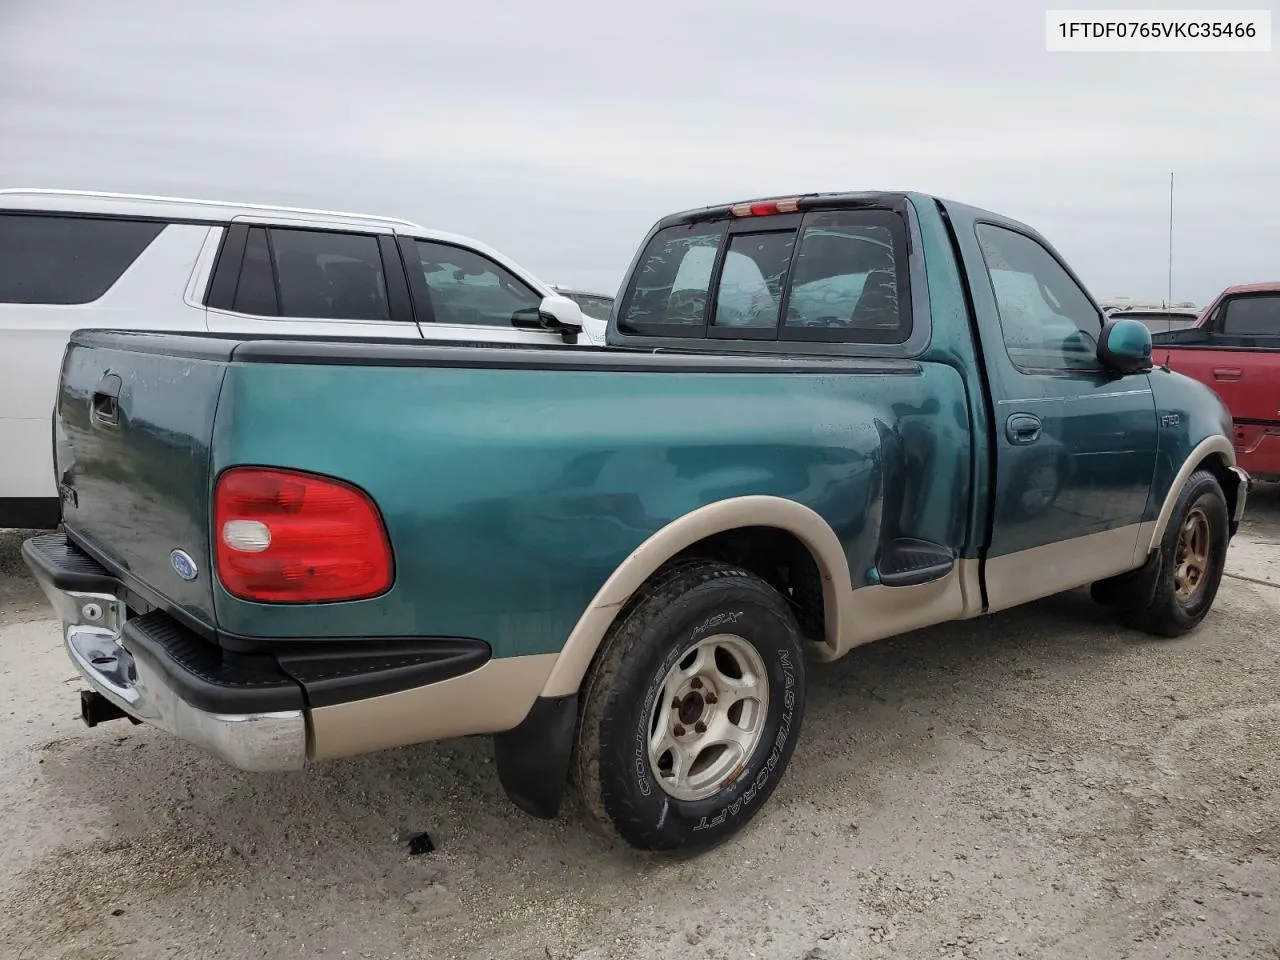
1047,321
67,260
256,289
668,296
847,282
750,290
468,288
328,275
1253,315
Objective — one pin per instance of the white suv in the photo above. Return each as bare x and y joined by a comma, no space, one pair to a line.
72,260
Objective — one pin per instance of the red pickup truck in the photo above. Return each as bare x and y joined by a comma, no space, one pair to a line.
1234,348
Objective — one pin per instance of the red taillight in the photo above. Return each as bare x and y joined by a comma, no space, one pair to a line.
765,208
281,536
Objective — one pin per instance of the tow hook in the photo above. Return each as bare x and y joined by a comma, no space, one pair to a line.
96,709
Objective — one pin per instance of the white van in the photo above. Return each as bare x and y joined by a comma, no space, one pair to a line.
73,259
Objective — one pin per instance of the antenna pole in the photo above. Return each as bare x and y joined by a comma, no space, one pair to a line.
1170,289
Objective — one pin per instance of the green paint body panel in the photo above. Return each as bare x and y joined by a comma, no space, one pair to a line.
511,493
510,496
142,487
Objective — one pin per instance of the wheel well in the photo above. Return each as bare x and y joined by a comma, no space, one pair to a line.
777,557
1216,465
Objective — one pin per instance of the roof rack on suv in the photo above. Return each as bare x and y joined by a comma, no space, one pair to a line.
182,207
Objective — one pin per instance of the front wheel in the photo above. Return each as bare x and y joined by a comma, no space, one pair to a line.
1193,555
692,710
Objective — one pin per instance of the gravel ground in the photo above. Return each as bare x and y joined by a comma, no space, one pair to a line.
1038,784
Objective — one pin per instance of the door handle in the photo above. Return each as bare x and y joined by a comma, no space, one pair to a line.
1227,373
1022,429
106,400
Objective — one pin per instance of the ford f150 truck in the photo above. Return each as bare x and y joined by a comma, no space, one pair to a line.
1234,348
819,421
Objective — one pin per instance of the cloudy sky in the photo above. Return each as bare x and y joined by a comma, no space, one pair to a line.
559,130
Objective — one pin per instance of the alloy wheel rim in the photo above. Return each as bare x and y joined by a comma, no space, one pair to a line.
1192,561
709,717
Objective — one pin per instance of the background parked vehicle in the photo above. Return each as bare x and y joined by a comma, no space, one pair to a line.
71,259
289,550
1235,349
1158,318
595,305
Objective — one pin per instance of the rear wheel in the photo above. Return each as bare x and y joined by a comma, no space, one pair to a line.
692,710
1193,554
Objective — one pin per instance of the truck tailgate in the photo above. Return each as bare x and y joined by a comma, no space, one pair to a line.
132,430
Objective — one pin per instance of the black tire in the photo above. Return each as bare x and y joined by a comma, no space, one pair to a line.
613,772
1163,612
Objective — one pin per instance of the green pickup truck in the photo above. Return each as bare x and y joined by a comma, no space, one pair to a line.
819,421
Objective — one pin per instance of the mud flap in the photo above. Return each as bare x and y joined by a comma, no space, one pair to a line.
1137,588
533,759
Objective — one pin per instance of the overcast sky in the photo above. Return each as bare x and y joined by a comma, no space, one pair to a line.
558,131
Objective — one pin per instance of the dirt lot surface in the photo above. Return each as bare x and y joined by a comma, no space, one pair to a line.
1039,784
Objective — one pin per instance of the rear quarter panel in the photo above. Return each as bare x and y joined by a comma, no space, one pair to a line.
510,495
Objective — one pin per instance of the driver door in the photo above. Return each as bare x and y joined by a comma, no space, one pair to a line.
1075,444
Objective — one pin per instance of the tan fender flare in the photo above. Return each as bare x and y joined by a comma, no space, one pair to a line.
753,511
1215,445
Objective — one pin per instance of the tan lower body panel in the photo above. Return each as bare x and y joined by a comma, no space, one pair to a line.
1027,575
878,612
489,700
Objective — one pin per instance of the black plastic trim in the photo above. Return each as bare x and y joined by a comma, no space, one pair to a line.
399,301
334,672
99,215
419,292
269,234
533,758
203,676
340,671
412,352
30,513
221,292
58,562
552,357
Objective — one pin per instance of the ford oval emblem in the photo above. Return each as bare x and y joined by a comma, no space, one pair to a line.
183,565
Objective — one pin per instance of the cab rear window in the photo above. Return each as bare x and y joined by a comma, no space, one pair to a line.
1252,315
835,275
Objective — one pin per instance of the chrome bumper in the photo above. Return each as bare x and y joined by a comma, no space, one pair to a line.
92,624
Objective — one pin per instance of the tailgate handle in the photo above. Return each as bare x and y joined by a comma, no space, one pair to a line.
106,399
1227,373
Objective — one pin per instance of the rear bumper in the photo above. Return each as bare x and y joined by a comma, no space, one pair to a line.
308,699
130,675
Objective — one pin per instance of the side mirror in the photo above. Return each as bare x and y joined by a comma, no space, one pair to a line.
1125,346
561,313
